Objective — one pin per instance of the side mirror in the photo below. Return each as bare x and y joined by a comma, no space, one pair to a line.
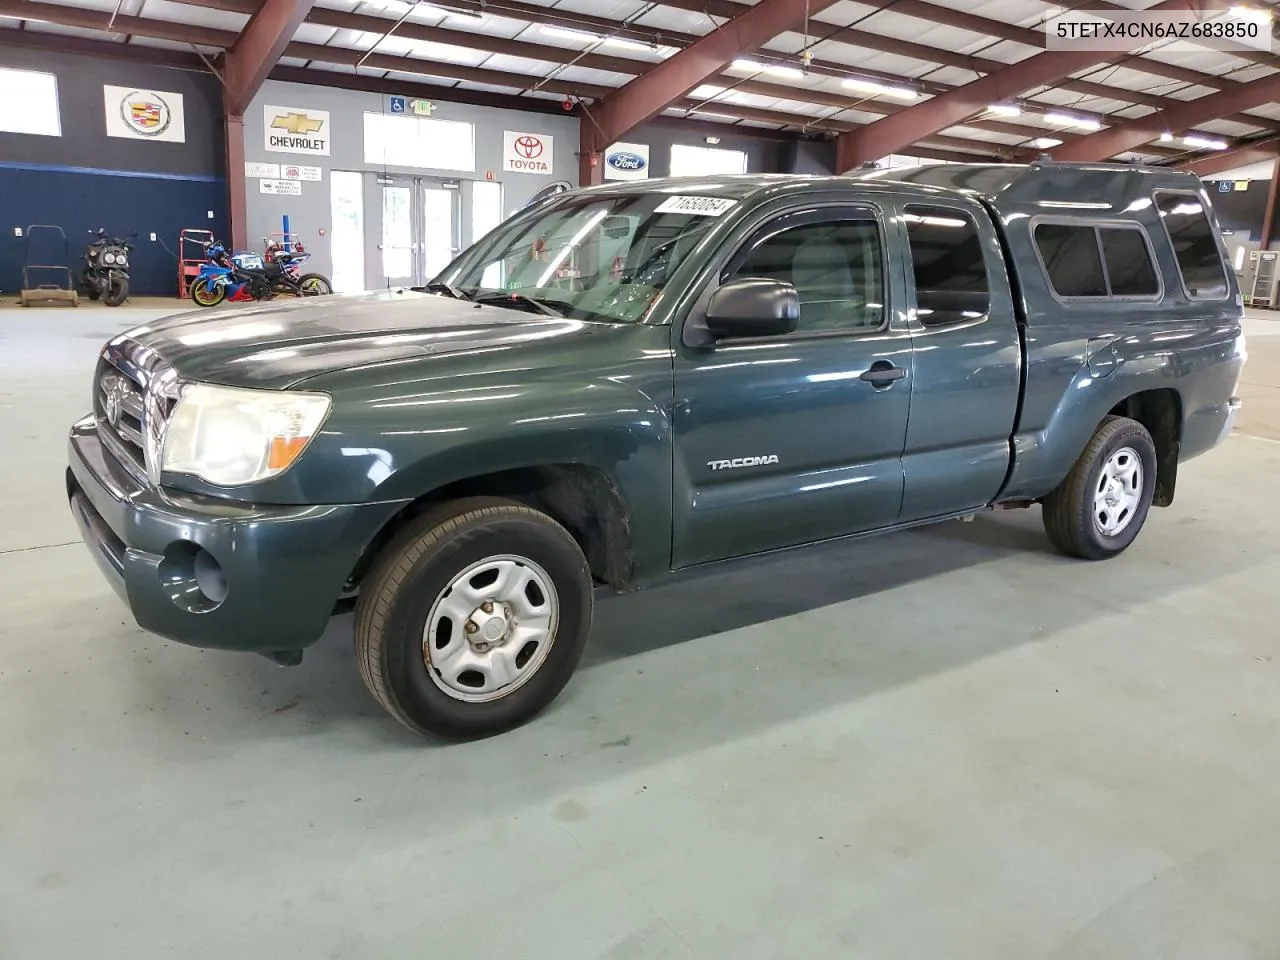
753,307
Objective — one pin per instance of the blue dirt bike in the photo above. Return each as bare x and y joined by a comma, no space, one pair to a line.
243,277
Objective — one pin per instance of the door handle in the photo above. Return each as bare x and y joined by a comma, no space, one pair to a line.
883,374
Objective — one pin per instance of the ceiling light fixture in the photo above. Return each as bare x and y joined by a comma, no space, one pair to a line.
777,69
1166,137
569,33
1205,143
451,11
628,44
1005,109
1044,143
1250,13
871,86
1068,120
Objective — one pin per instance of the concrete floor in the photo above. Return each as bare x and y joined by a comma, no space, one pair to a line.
949,743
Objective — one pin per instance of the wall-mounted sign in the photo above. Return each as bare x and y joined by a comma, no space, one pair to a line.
526,152
397,104
1224,186
627,161
291,171
144,114
296,130
254,170
422,108
281,188
1242,184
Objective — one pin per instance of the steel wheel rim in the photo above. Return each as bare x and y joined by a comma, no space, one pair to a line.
1118,492
490,629
314,288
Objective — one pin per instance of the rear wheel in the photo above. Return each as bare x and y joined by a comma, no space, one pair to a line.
314,285
208,294
117,291
1099,509
473,619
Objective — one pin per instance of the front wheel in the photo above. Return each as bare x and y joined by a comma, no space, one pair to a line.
207,294
117,291
1098,510
314,285
474,618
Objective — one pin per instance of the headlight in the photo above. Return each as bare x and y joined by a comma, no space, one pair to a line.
230,436
108,258
122,260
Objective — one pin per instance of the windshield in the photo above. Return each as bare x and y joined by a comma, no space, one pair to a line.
594,259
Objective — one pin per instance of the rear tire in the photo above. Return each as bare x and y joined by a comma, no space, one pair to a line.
451,653
117,291
1101,506
314,285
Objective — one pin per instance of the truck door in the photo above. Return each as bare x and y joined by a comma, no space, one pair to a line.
968,358
797,438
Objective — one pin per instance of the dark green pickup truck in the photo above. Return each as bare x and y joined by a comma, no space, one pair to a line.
624,382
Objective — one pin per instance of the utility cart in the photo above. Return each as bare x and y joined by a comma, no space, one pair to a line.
47,293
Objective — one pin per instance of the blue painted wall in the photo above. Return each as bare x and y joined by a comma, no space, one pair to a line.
84,179
83,201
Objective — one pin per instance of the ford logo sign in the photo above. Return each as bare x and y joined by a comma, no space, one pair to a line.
626,161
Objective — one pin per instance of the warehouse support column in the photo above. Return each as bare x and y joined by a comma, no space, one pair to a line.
246,66
1269,214
237,199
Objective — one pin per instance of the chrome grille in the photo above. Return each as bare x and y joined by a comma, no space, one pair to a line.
118,405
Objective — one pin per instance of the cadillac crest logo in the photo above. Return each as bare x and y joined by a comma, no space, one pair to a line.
145,113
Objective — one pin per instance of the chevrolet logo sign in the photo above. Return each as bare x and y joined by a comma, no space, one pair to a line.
296,123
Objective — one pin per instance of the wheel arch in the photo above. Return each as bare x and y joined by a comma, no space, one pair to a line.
583,498
1160,410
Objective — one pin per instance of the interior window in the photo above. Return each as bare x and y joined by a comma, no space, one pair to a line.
949,266
1194,245
1129,267
1070,255
835,267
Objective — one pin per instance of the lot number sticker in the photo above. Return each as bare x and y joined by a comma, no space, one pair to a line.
696,206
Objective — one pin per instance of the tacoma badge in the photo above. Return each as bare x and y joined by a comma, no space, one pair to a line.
742,462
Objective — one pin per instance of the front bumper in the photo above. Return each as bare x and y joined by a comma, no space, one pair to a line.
211,573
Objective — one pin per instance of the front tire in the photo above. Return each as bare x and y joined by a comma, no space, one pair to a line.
206,294
1099,509
117,291
473,618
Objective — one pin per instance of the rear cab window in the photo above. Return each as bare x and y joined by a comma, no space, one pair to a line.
948,265
1096,261
1204,275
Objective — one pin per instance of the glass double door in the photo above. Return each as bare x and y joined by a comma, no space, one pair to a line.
421,228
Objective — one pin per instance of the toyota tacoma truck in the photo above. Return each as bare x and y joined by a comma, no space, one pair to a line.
623,383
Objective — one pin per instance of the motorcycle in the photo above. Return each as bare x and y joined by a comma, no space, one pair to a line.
242,277
106,270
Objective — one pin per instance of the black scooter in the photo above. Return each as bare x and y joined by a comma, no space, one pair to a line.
106,270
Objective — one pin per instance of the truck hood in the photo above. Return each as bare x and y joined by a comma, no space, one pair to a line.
277,345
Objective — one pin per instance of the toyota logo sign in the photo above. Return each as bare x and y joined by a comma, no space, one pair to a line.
527,153
529,147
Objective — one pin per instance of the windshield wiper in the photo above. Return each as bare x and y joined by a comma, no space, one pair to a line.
516,300
440,286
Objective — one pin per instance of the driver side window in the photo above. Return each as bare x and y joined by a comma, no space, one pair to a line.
836,266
